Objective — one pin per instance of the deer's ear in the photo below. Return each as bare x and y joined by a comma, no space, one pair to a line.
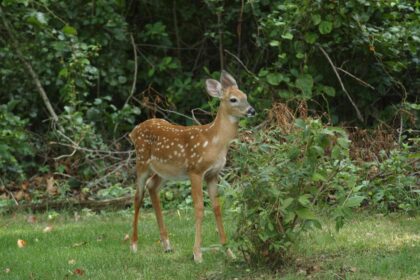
214,88
227,80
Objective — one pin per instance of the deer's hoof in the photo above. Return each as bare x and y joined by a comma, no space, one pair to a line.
133,247
230,254
198,257
166,246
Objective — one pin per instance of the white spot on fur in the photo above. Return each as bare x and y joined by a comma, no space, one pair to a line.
205,144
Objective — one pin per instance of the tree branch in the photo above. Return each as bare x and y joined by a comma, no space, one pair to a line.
120,202
241,63
133,86
31,71
359,115
219,24
178,45
356,78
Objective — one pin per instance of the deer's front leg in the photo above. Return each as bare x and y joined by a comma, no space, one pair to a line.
197,195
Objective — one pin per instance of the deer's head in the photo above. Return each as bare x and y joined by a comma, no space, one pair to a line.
232,99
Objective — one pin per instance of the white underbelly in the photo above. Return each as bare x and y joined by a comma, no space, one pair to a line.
167,171
217,166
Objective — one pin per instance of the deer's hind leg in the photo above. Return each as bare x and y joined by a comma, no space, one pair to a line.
212,190
153,186
142,171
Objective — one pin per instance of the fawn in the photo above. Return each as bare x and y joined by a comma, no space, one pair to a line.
167,151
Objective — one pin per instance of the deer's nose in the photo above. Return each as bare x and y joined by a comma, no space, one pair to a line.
250,112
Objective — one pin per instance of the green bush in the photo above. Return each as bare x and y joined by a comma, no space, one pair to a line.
392,183
16,152
281,178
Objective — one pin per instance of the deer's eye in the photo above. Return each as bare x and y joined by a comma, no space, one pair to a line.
233,100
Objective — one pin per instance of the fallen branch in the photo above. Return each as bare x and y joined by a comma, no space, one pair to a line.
359,115
120,202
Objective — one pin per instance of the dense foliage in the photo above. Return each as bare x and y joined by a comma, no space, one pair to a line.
105,65
282,177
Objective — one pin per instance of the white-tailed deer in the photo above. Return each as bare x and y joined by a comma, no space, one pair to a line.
167,151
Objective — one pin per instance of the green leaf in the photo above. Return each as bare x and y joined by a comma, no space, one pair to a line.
69,30
169,195
304,200
287,36
317,224
311,37
300,123
122,79
64,73
336,152
316,177
274,43
325,27
306,214
286,203
316,19
330,91
274,78
37,19
300,55
354,201
343,142
305,83
414,155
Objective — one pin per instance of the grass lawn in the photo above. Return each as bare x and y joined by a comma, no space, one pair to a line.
369,247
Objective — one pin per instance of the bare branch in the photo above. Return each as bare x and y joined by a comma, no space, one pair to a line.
359,115
219,24
176,29
133,86
240,62
356,78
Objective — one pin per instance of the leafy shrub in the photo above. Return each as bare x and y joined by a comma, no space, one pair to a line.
281,178
15,148
392,183
361,35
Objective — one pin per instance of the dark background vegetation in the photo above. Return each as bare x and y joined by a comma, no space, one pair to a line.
82,52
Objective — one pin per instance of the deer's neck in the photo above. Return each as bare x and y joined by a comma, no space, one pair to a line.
224,127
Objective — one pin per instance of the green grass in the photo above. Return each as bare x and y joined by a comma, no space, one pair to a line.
369,247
